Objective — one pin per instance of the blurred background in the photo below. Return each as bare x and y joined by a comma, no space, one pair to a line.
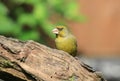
94,23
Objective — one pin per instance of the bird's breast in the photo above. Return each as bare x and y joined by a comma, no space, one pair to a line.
66,44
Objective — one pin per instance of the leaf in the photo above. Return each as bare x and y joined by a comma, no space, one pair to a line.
3,9
40,12
6,25
27,19
47,28
29,35
71,10
32,1
55,3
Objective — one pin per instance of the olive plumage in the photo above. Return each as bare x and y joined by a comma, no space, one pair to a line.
65,40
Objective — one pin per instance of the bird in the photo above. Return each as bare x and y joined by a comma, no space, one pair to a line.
65,40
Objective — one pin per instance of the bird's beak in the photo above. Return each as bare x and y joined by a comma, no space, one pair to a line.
55,31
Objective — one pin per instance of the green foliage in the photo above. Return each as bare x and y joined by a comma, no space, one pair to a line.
28,19
3,10
25,19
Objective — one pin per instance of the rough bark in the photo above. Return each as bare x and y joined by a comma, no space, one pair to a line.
32,61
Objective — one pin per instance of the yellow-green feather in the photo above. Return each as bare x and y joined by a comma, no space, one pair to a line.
67,43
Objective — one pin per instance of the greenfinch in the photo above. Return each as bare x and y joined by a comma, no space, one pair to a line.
65,40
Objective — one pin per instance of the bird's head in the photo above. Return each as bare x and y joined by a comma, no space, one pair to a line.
61,31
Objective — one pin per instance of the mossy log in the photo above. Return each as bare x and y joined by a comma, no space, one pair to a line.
31,61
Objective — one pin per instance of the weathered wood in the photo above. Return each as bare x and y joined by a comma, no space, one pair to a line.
33,61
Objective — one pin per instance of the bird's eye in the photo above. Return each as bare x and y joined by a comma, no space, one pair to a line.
60,29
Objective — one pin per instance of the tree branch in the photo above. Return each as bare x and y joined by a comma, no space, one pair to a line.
32,61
